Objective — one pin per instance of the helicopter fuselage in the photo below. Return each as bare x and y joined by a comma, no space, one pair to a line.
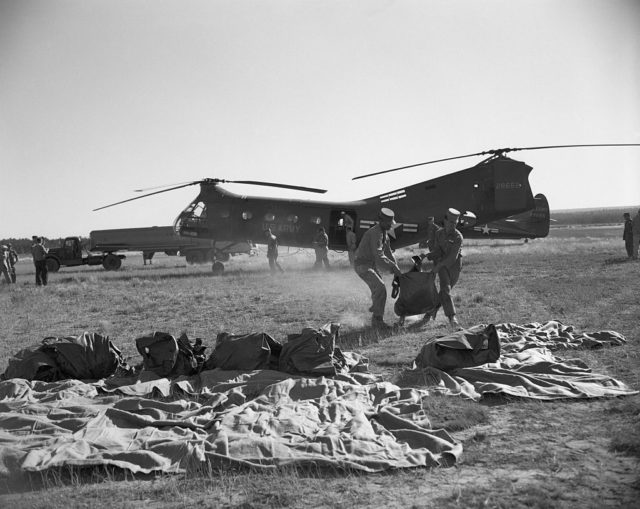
493,189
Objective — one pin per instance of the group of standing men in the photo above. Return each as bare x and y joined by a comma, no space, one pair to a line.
631,235
9,258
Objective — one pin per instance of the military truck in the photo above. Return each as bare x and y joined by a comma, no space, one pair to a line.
105,245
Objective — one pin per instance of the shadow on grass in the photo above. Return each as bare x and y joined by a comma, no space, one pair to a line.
618,261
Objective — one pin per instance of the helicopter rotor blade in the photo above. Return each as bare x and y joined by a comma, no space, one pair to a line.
422,164
504,150
499,151
214,181
161,187
149,194
273,184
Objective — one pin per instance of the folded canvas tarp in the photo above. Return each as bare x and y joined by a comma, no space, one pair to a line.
460,349
89,356
527,367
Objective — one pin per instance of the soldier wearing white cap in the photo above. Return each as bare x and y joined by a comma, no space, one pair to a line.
447,263
372,254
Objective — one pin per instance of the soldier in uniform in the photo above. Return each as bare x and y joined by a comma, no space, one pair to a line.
272,251
321,247
447,263
13,259
351,245
147,256
373,254
39,253
627,234
636,234
4,263
347,221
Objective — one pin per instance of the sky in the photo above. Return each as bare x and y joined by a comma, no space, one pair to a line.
102,97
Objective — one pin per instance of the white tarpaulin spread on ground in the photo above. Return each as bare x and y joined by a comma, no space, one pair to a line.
261,418
266,418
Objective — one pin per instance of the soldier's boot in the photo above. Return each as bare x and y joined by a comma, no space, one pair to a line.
379,324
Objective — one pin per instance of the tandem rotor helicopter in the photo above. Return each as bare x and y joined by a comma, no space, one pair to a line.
492,190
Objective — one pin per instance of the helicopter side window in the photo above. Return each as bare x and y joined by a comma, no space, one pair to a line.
316,219
292,218
246,215
269,217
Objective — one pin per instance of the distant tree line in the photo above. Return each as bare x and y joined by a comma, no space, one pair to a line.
23,246
604,216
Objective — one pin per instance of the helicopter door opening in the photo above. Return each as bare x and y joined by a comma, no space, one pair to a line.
339,220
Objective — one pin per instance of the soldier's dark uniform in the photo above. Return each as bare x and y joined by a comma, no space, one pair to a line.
272,252
321,247
627,235
39,253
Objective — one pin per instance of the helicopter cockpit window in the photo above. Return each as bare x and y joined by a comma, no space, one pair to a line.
292,218
269,217
198,210
195,213
316,219
246,215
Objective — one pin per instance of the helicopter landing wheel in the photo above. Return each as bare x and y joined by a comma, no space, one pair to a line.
217,268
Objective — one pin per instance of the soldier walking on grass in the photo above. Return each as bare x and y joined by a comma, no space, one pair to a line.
272,251
321,247
374,253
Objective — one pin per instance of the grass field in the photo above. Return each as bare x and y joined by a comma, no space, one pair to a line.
517,453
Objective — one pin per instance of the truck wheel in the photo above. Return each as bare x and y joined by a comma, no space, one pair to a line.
217,268
53,265
196,257
111,262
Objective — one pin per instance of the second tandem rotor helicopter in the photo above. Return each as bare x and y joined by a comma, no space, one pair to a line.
494,189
